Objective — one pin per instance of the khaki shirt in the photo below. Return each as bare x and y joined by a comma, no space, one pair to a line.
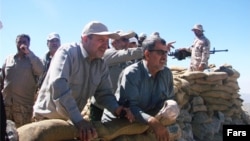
71,80
20,76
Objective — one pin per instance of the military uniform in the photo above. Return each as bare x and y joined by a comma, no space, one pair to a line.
200,52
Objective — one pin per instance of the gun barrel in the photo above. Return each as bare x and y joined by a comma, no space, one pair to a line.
213,51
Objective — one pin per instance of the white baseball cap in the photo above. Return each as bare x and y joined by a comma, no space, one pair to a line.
98,28
133,39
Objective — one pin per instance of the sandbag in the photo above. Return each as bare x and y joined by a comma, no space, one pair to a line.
200,87
215,76
203,81
110,130
47,130
57,130
173,129
193,75
217,94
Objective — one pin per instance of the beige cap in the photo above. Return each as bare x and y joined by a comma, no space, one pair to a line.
127,35
98,28
53,35
198,27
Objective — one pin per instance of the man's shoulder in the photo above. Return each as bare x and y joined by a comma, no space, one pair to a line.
204,39
134,68
167,71
69,45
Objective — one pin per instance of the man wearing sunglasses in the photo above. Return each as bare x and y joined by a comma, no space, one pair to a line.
148,86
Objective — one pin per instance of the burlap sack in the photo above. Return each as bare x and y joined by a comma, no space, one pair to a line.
200,87
203,81
110,130
193,75
47,130
177,68
56,130
232,84
224,88
173,129
214,76
217,94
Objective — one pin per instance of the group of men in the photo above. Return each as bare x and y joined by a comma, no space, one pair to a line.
72,73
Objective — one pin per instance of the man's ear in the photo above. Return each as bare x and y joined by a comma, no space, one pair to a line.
84,38
146,53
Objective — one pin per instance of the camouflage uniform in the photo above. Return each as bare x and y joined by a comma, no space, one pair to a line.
200,52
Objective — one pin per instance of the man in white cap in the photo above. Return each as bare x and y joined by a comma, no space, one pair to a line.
133,42
200,50
78,73
53,43
120,53
116,58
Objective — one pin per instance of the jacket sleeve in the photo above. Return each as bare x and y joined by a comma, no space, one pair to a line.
114,57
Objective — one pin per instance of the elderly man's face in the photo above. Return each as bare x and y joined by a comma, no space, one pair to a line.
95,45
157,57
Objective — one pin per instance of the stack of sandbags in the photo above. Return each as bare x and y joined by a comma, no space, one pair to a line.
207,101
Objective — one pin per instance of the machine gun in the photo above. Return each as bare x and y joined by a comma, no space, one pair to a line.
182,54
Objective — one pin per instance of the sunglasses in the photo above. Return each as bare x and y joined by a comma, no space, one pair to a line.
124,39
159,52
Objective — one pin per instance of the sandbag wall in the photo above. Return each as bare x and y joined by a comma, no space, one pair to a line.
207,100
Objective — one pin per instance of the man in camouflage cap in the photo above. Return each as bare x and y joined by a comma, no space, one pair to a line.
200,50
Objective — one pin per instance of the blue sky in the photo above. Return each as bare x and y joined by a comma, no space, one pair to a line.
226,24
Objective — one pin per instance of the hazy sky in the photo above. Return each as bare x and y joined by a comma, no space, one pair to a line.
226,24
